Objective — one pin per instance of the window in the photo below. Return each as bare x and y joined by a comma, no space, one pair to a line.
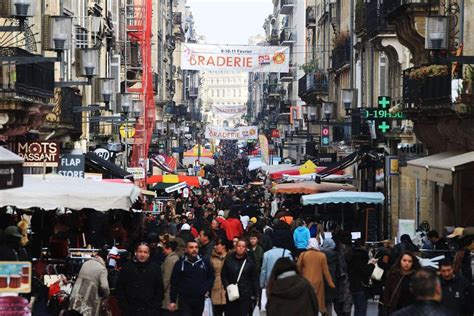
212,93
223,93
240,93
217,91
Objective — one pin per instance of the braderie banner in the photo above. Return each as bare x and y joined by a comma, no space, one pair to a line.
232,133
229,110
206,57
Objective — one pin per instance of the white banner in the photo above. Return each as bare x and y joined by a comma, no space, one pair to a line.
228,133
237,58
229,110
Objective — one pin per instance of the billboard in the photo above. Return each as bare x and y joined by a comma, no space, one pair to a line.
244,58
39,153
230,133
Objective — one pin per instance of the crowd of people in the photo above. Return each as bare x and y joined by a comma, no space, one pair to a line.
231,249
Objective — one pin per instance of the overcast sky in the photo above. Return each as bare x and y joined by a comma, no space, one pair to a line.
230,21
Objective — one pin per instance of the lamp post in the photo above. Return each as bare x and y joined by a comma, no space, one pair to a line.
125,104
347,99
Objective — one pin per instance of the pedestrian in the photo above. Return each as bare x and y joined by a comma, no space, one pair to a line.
270,257
426,289
288,292
192,279
232,226
397,286
254,238
185,233
171,257
216,229
240,269
10,244
218,294
359,274
91,286
301,237
328,248
406,244
313,265
457,296
140,285
206,239
435,241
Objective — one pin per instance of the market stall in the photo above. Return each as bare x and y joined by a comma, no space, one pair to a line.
172,179
198,152
311,187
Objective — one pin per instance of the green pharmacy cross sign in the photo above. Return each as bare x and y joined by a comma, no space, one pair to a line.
381,115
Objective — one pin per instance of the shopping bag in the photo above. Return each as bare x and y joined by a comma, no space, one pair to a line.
207,307
377,273
263,300
256,311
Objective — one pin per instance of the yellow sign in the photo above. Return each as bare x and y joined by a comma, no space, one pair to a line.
127,130
308,167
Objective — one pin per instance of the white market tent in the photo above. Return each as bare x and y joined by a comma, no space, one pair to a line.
67,192
343,197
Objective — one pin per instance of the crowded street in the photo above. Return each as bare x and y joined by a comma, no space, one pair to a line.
236,158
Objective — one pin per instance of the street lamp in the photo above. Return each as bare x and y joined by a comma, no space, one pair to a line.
125,103
137,108
327,109
106,89
89,63
347,99
436,32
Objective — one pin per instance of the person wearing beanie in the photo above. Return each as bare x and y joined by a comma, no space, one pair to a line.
313,265
185,233
220,217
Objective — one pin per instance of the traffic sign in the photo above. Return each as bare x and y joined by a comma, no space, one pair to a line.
325,141
127,130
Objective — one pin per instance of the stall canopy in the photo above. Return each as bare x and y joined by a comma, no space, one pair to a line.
343,197
418,168
312,177
442,171
73,193
173,179
276,168
200,153
11,169
105,167
310,187
293,171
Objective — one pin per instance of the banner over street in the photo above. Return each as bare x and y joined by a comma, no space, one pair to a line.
237,58
229,133
229,110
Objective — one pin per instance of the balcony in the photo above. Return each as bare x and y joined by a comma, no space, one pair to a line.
288,76
284,118
311,17
341,54
375,21
360,17
427,86
393,7
285,106
275,90
312,85
287,6
287,36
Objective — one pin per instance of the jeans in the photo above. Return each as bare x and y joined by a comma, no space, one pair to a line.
191,306
360,303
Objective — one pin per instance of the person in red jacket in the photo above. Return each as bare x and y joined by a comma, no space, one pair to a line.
232,226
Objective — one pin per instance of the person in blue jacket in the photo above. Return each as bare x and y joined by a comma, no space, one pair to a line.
192,278
301,237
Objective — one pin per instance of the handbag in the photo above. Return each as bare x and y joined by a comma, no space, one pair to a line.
233,289
377,273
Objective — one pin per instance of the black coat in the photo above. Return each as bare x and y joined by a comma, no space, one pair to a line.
248,283
424,308
140,289
458,295
359,270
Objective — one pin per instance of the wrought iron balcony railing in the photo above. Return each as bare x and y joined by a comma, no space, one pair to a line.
341,54
427,86
312,84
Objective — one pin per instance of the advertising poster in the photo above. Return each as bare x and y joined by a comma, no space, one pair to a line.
15,277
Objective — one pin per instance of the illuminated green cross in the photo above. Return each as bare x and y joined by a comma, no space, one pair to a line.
384,102
384,127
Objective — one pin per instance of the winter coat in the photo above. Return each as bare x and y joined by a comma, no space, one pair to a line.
458,295
191,279
425,308
313,265
301,237
206,251
359,270
167,269
269,258
393,289
248,283
233,228
258,253
331,257
284,239
140,288
218,290
292,296
91,281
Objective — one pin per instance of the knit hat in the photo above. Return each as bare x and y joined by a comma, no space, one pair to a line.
185,227
313,244
221,213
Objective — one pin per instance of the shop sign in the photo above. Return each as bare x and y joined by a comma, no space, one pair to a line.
275,133
39,153
15,277
176,187
138,173
103,153
408,152
392,165
71,166
326,159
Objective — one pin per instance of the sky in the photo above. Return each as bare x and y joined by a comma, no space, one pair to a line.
230,21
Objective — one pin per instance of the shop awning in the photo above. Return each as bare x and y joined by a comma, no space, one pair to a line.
312,177
293,171
275,168
7,156
418,168
171,178
311,187
72,193
343,197
442,171
105,167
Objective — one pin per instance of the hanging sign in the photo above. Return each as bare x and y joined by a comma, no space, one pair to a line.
243,58
138,173
176,187
228,133
229,110
103,153
39,154
71,166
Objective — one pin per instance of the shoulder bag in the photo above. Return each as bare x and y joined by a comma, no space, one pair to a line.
233,289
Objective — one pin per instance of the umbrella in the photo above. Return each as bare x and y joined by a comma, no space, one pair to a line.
74,193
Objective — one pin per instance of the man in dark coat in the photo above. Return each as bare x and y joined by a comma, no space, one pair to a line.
457,292
192,278
140,285
425,286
